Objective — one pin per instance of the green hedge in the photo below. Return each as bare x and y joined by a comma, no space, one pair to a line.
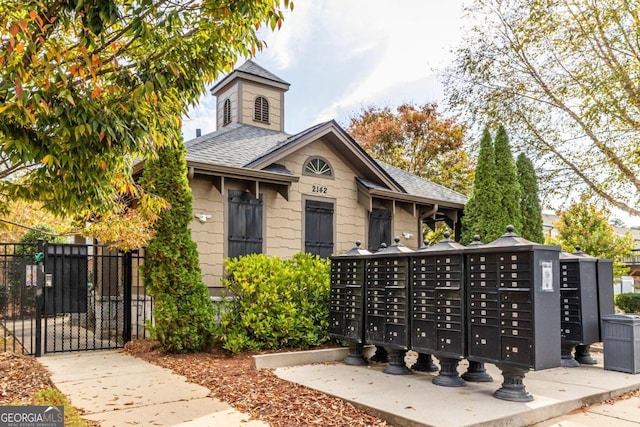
629,302
277,303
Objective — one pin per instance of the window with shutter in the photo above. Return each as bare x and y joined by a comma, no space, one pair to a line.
379,228
245,224
318,226
261,110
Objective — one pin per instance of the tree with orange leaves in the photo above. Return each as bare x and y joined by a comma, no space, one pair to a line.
416,139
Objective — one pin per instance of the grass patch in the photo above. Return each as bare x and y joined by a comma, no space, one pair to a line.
53,397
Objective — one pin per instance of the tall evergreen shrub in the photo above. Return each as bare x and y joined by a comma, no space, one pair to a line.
529,200
183,312
507,184
479,212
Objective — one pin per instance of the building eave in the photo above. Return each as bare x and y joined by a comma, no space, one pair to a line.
408,198
241,173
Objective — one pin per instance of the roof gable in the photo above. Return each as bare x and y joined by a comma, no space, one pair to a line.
338,140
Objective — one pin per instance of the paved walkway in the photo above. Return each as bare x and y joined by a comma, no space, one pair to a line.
413,401
119,390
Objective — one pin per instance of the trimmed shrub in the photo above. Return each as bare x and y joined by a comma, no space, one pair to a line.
629,302
277,303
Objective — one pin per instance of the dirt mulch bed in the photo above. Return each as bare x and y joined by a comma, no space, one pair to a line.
21,377
259,393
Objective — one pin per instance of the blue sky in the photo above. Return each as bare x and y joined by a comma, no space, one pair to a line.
343,55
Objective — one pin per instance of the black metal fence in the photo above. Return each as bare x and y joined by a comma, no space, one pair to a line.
70,297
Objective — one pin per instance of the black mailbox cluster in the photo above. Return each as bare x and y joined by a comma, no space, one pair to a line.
346,311
513,296
438,307
387,300
492,303
586,294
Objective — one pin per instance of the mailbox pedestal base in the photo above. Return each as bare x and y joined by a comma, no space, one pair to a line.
397,365
356,355
380,356
567,360
425,363
476,373
448,376
583,355
513,388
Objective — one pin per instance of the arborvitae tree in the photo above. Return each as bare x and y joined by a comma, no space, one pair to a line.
183,312
507,184
529,200
479,212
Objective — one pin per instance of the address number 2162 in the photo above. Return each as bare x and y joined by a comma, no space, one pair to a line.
319,189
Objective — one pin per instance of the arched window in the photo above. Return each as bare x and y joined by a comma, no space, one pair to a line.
318,166
261,110
226,112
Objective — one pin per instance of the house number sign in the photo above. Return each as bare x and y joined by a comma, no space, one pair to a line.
319,189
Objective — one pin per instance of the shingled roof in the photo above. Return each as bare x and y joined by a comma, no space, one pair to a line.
251,67
234,145
253,72
417,186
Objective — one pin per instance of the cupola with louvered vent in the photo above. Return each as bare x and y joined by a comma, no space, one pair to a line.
252,96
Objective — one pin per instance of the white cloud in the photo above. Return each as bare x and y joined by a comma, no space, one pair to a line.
341,55
412,40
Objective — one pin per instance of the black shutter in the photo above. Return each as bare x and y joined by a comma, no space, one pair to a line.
379,228
245,224
318,236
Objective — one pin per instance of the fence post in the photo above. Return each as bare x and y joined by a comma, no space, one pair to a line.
127,271
39,298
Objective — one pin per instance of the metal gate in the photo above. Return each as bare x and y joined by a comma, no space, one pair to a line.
70,297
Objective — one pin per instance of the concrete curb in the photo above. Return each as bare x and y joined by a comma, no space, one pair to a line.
294,358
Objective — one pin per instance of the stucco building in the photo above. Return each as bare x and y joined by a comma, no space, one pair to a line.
258,189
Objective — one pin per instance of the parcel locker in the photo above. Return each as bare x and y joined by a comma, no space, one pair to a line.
579,318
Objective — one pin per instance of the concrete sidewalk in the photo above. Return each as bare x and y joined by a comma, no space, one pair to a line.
412,400
120,390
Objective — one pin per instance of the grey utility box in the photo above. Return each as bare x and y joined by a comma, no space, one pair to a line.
621,339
